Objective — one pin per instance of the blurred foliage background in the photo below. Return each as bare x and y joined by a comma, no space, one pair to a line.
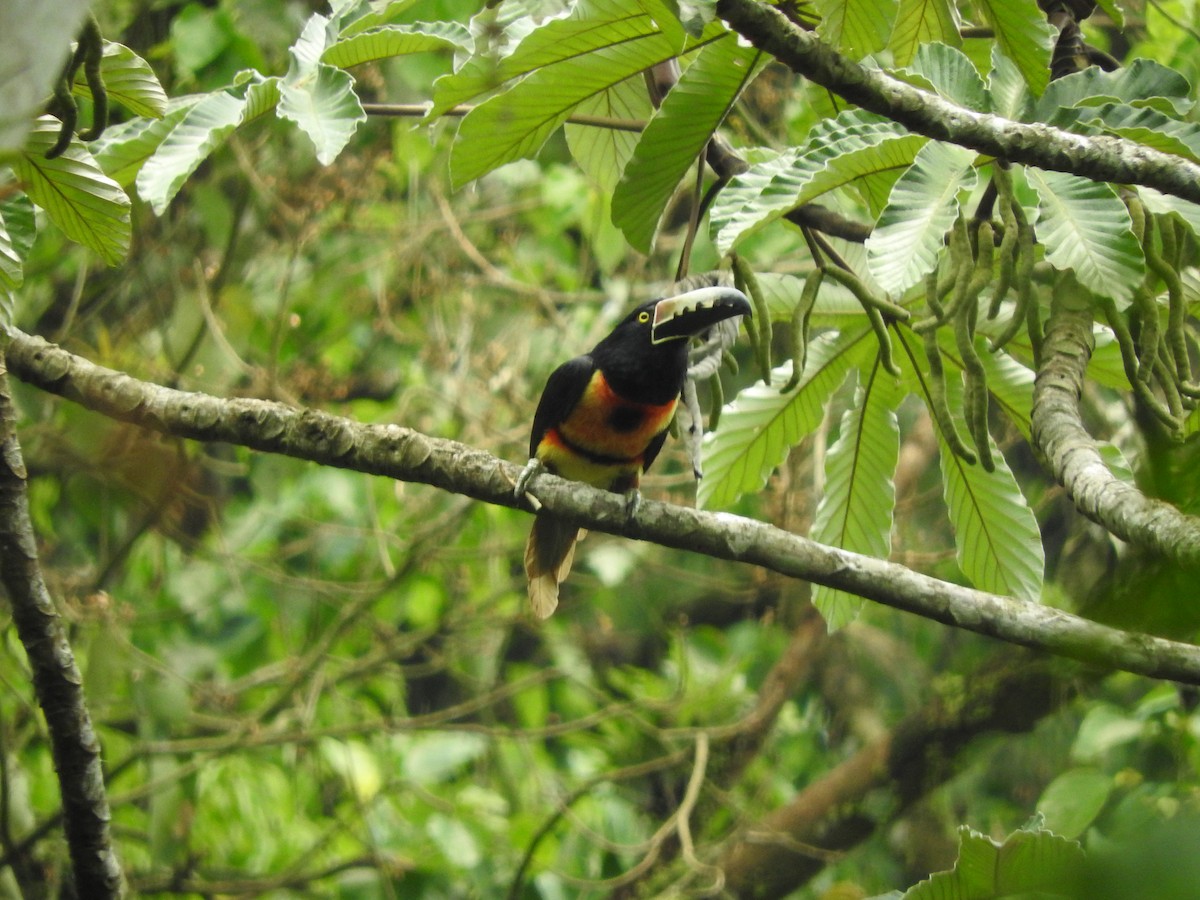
309,682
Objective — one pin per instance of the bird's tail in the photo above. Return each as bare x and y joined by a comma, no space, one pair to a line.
548,557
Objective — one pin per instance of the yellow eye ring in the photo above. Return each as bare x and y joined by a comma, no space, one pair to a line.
643,317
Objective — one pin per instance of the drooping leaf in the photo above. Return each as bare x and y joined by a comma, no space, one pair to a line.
201,129
386,41
516,123
1028,862
323,104
1146,126
603,152
855,512
951,74
592,27
1085,228
18,228
999,546
1024,36
1157,202
923,205
1010,95
124,148
89,207
761,425
128,80
678,132
838,152
856,27
380,14
318,97
922,22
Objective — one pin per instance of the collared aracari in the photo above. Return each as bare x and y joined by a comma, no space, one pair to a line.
603,416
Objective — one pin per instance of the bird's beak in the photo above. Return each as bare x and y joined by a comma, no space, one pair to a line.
690,314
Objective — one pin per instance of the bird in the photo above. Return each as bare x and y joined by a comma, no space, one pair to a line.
603,417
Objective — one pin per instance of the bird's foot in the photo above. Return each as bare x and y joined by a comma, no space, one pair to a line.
633,501
532,468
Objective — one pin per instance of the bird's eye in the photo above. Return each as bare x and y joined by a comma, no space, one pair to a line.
643,317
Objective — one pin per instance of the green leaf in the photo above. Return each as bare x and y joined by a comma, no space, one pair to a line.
1157,202
1024,36
603,152
922,22
201,130
856,27
923,205
1148,127
516,124
855,512
124,148
89,207
1010,96
18,229
1144,83
323,104
951,74
1085,228
387,41
382,13
318,97
1027,862
838,153
761,425
678,133
128,80
999,546
593,26
1071,802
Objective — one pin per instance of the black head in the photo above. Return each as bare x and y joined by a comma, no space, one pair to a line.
646,354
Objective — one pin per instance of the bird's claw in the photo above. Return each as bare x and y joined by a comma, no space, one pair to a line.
520,490
633,500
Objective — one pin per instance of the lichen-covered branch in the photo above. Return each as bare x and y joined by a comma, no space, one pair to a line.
407,455
1102,158
1072,455
56,678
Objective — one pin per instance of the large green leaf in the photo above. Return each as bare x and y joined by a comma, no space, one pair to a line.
951,74
1007,89
386,41
1148,127
89,207
999,546
1024,36
319,97
923,205
922,22
1158,202
593,26
678,133
603,152
323,104
201,129
855,512
1144,83
124,148
856,27
18,229
761,425
838,152
128,80
516,123
1029,862
1085,227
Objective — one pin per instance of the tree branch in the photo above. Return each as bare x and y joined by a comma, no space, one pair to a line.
408,455
1071,453
56,678
1102,158
846,805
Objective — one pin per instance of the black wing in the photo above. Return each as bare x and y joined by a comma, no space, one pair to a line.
652,449
564,387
